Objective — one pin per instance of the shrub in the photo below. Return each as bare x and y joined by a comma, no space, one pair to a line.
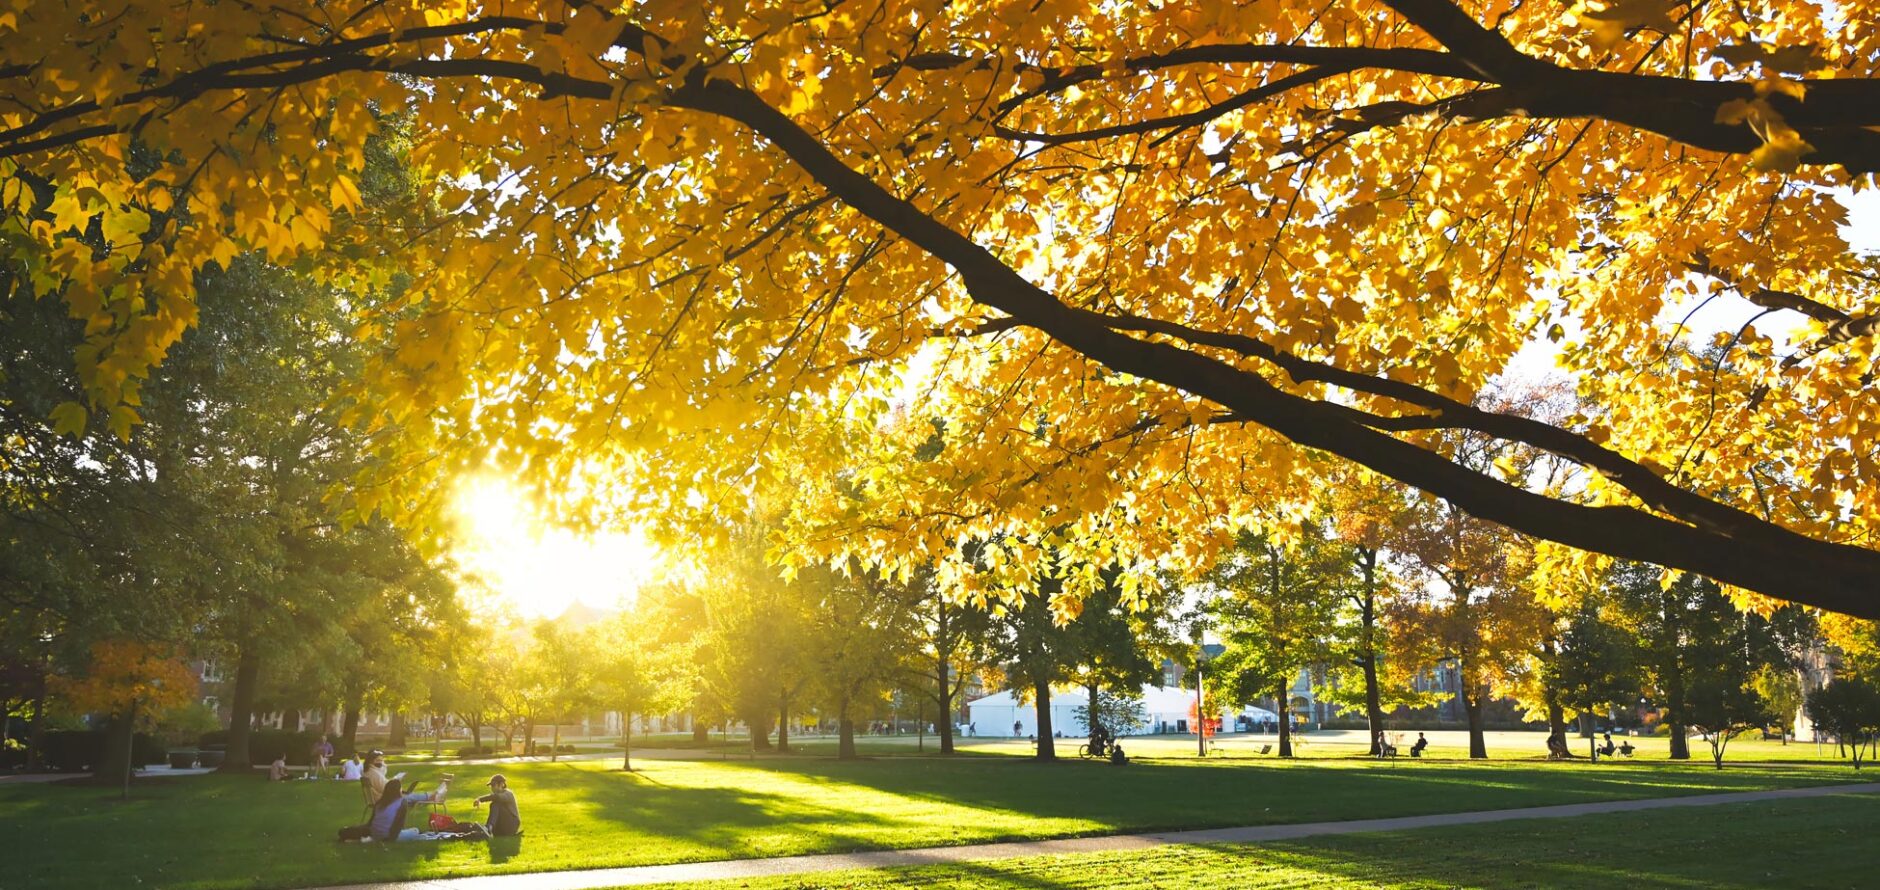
469,751
265,744
71,750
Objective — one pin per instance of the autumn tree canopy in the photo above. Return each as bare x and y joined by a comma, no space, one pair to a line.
1137,268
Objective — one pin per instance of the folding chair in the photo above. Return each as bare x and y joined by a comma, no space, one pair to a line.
365,791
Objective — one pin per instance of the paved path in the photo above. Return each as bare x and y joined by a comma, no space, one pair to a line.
793,865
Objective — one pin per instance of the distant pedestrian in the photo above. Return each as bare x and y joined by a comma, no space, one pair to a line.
1018,729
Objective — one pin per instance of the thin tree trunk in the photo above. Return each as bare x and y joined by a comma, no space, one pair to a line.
1042,696
1367,659
554,743
945,701
1092,719
36,731
241,711
626,741
1283,704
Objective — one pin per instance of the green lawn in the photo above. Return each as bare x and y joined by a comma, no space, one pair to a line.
215,831
1821,843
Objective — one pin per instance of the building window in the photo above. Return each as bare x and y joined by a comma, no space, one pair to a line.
211,672
210,702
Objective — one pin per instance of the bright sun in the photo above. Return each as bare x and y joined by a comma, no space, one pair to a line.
539,570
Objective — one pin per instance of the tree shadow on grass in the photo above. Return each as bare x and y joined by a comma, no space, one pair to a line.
721,823
1172,796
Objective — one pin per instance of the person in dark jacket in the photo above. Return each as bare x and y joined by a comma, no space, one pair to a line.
505,820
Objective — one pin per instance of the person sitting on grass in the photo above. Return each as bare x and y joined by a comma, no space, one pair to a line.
388,815
277,771
351,770
505,820
374,776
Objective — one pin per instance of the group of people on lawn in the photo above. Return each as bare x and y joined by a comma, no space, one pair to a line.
391,803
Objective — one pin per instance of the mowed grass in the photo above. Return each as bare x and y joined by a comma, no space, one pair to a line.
1820,843
241,832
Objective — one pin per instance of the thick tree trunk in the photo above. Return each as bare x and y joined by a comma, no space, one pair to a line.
398,731
783,720
1283,704
290,720
700,732
1092,718
760,731
1680,735
845,739
1474,706
528,737
1556,715
349,730
1041,693
114,760
241,711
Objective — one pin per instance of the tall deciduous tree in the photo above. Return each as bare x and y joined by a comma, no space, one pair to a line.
1277,614
859,632
950,639
1035,651
1272,227
632,673
132,683
1593,667
1848,708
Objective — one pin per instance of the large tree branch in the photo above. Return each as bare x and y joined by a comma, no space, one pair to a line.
1482,49
1839,577
1183,121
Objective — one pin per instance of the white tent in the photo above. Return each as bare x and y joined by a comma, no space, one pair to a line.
1165,709
996,714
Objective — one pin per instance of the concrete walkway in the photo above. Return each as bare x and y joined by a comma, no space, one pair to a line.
734,869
